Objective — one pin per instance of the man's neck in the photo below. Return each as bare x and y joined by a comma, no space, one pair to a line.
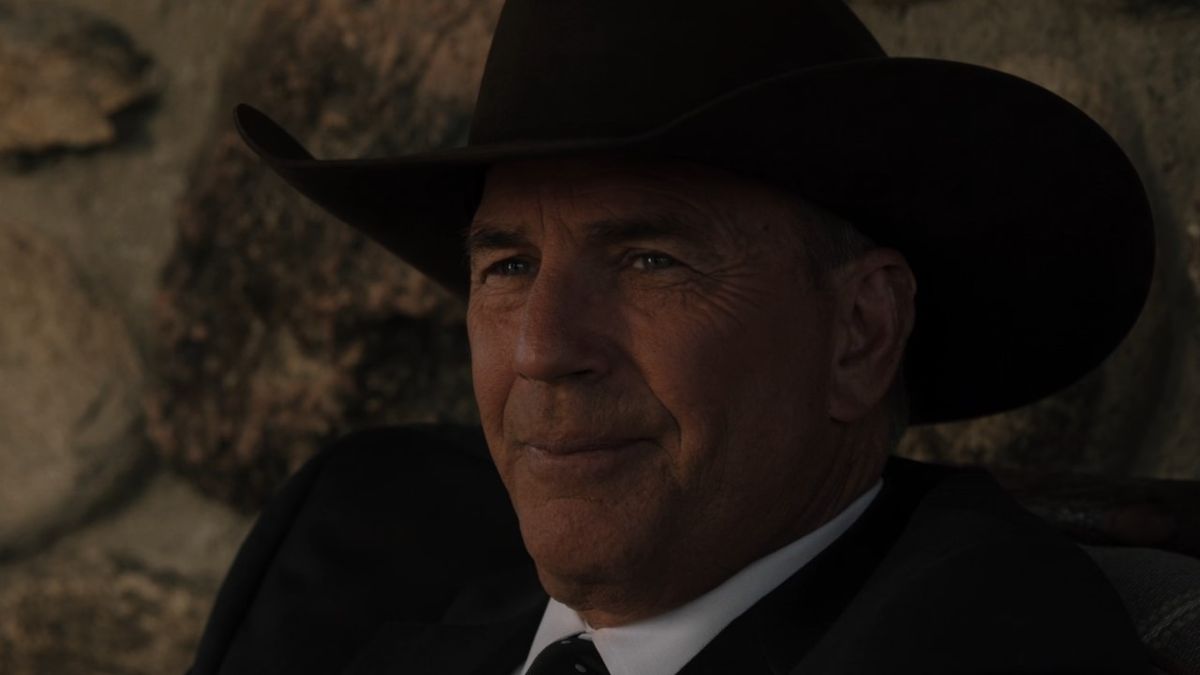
612,605
665,642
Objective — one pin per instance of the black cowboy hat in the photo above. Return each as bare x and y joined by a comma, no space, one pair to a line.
1025,224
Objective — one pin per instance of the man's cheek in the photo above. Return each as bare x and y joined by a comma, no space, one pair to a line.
491,367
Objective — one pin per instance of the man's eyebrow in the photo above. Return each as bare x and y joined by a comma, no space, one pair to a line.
489,235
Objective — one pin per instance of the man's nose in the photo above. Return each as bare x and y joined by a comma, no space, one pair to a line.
562,331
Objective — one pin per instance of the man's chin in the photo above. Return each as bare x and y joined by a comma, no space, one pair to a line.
577,544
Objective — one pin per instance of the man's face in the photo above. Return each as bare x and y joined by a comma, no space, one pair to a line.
651,365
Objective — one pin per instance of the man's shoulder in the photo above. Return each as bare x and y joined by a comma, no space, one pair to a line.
430,493
420,447
383,525
972,578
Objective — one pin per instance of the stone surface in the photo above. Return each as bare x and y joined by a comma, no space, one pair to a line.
70,385
280,327
98,615
112,206
64,75
128,594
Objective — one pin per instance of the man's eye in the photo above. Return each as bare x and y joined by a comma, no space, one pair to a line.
653,261
509,267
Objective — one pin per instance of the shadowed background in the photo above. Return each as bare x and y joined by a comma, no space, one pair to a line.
179,331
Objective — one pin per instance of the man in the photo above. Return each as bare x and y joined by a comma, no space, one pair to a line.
702,244
628,323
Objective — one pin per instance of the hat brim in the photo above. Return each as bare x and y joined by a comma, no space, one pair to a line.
1025,224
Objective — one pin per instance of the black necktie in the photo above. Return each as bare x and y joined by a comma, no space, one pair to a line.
573,656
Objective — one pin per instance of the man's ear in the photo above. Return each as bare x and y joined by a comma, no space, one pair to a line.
873,318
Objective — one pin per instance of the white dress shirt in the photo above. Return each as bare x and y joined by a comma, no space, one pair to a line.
663,644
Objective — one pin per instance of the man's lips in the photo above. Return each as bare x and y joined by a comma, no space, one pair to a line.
583,461
563,448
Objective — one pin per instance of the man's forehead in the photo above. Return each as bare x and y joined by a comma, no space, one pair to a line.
489,233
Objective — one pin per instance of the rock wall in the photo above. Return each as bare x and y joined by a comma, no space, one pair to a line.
108,563
180,331
279,327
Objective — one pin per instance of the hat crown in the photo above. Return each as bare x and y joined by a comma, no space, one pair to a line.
576,69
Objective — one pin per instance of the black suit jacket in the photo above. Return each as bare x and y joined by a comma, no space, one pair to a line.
397,551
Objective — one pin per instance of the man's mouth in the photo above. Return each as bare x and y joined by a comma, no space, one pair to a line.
587,460
580,446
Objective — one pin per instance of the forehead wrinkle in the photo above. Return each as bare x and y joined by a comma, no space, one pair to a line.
493,234
747,216
663,225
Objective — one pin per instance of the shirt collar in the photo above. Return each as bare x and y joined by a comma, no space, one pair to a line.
665,643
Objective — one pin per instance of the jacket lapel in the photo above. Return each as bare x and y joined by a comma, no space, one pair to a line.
486,631
776,633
